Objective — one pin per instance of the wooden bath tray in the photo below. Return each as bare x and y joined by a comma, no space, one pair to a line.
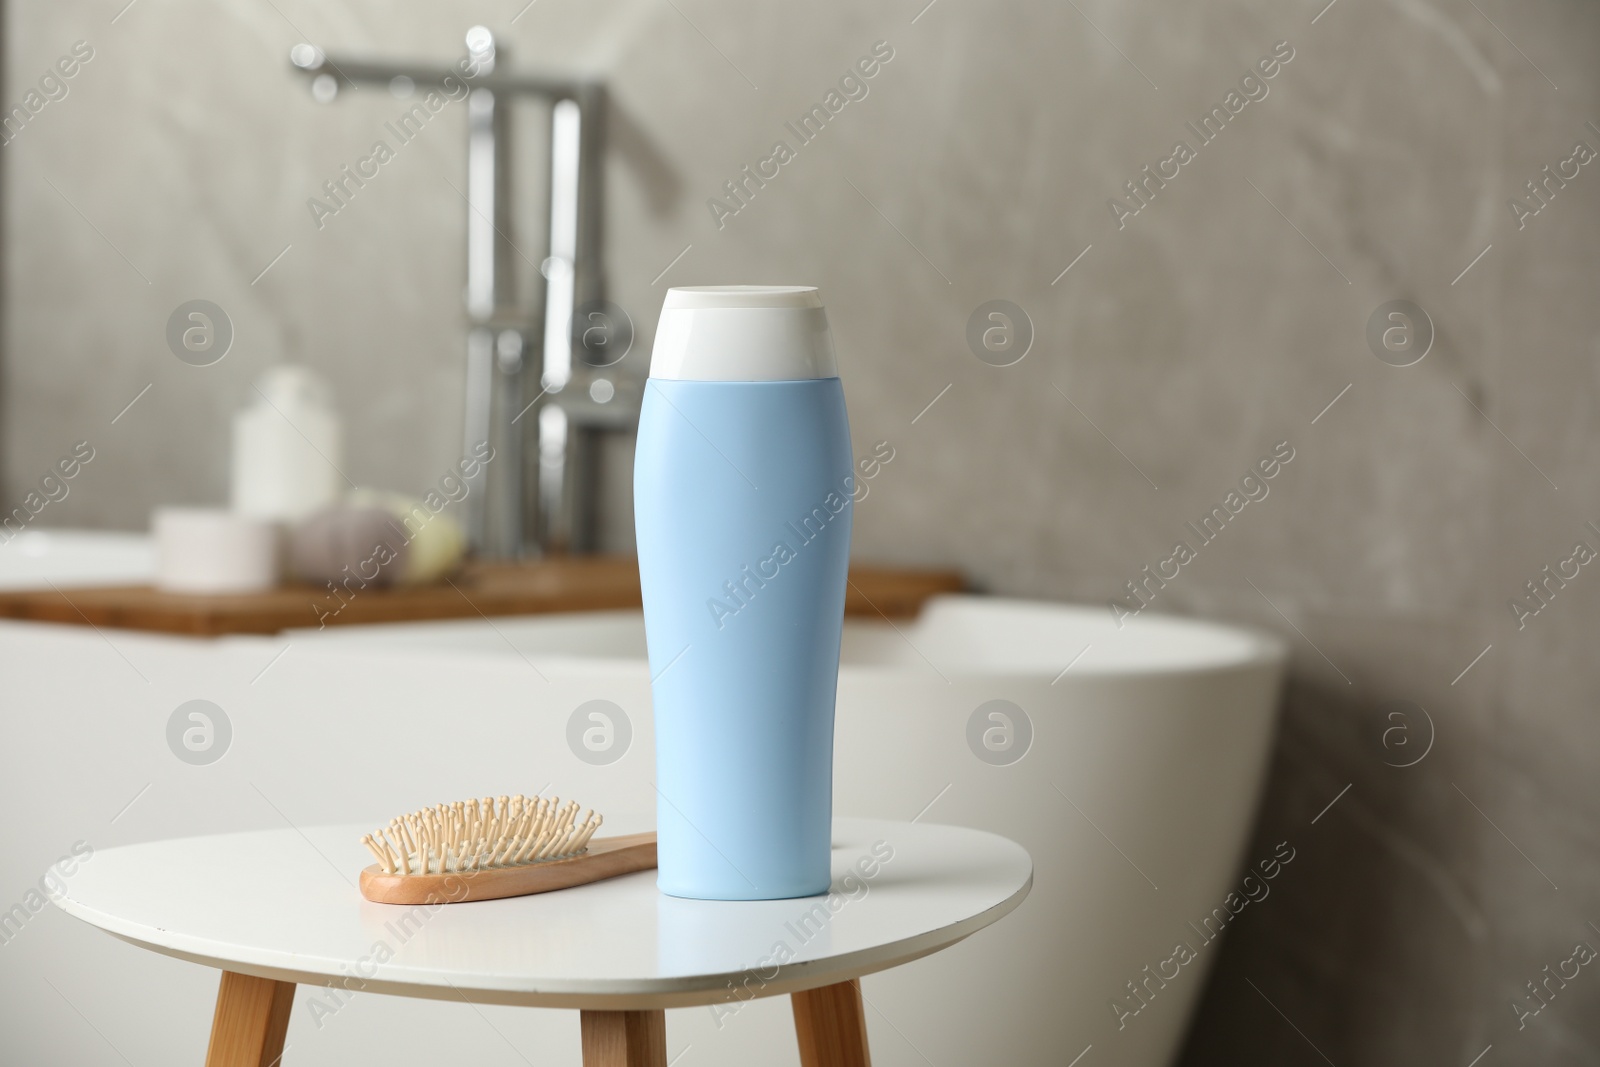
572,583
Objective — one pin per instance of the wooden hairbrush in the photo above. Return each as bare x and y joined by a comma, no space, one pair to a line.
481,850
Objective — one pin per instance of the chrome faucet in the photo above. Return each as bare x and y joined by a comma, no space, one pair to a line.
539,495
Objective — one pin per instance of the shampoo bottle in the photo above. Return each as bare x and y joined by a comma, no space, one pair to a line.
743,504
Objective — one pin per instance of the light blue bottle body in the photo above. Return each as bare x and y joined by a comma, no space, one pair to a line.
743,507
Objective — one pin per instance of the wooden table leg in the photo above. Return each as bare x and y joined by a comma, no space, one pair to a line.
624,1038
250,1023
831,1026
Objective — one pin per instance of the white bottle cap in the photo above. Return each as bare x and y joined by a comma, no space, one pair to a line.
743,333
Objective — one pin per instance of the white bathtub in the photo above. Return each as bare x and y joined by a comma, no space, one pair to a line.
34,558
1143,772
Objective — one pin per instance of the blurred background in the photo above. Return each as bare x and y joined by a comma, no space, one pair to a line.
990,158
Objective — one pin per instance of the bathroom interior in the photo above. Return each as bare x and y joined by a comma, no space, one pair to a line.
1219,382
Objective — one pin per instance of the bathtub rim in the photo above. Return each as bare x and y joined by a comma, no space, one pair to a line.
1258,648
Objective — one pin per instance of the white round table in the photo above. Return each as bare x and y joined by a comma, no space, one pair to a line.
279,907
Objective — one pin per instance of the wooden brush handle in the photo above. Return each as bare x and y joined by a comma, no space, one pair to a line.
606,857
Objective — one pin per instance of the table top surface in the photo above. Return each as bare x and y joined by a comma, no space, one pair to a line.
284,904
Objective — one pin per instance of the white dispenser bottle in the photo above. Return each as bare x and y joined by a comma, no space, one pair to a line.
286,447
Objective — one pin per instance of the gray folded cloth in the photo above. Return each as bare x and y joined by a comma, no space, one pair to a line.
344,540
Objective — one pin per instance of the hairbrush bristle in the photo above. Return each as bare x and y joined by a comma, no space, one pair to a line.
476,835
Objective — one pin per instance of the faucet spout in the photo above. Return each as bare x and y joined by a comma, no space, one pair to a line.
539,388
